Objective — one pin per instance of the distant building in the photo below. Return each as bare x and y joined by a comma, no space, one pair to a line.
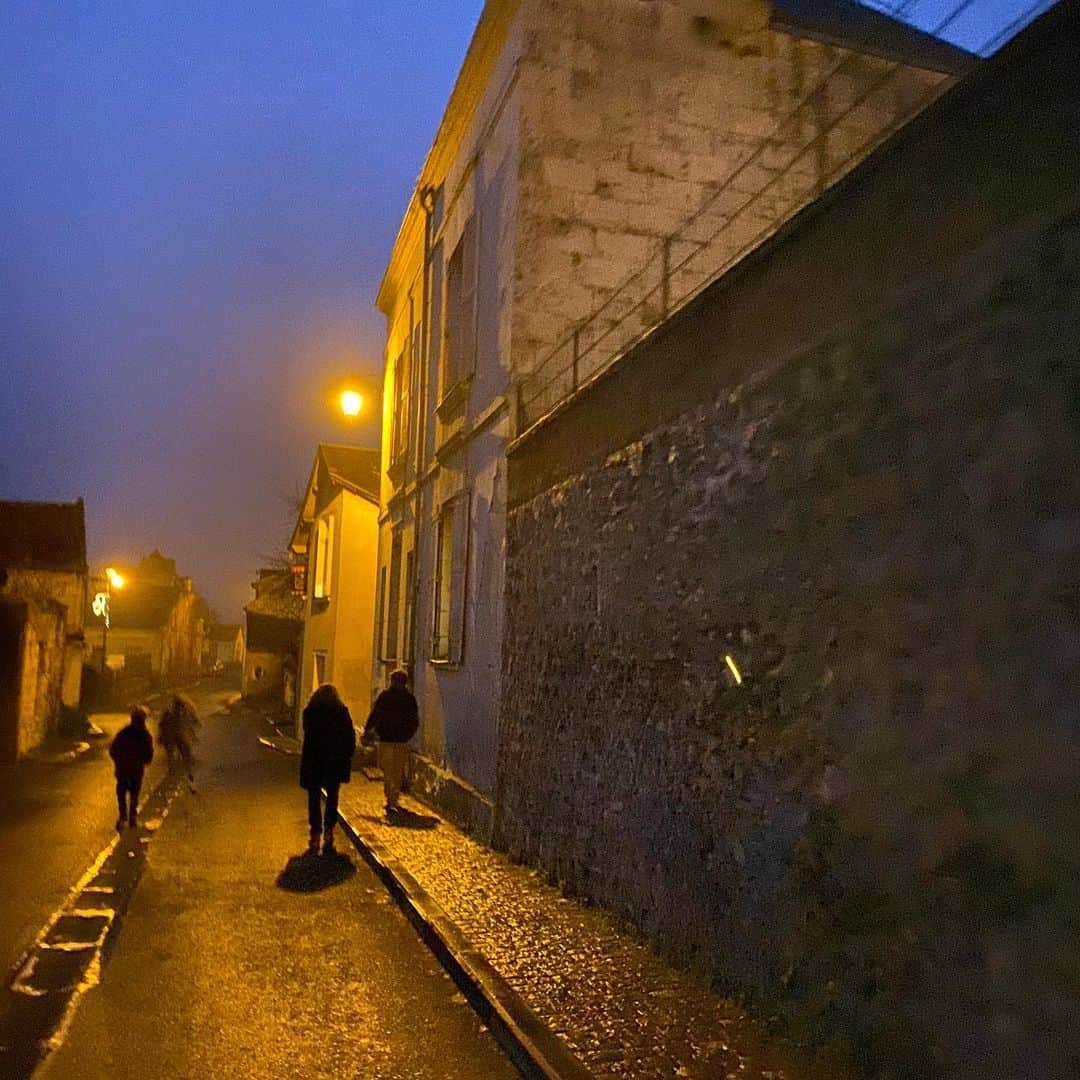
274,622
43,598
597,162
335,540
225,645
157,622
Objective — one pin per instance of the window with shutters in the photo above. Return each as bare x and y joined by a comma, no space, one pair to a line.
393,603
399,437
451,556
380,614
459,332
410,607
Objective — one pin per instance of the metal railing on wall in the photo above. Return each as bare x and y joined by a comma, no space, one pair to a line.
784,173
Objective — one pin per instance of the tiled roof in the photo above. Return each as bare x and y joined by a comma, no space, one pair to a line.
277,599
43,536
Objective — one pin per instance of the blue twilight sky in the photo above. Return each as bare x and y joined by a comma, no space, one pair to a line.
196,204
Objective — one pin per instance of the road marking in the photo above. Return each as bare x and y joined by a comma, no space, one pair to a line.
43,991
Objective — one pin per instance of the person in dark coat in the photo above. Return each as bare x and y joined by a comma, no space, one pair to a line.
131,751
394,719
178,732
325,760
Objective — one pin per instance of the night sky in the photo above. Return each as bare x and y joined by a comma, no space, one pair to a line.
196,203
196,206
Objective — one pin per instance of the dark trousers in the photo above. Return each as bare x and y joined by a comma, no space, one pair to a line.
127,795
316,819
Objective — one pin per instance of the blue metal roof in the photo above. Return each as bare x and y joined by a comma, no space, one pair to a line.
977,26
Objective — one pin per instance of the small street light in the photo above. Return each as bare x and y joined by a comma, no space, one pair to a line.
351,403
112,580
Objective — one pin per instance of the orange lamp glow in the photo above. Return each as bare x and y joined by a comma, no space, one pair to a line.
351,403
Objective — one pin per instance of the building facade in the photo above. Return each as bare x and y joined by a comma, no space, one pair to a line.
579,139
43,598
274,623
157,624
335,542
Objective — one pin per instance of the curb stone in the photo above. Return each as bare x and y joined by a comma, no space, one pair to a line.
533,1048
536,1051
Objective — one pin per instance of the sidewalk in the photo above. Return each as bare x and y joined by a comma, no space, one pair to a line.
614,1003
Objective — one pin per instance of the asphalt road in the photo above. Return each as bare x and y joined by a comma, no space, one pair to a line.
54,819
238,957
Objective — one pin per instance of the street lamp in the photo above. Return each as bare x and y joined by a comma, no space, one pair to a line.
100,607
351,403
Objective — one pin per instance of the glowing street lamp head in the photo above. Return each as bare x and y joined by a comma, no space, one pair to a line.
351,403
115,580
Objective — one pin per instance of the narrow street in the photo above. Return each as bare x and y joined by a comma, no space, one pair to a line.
55,817
237,957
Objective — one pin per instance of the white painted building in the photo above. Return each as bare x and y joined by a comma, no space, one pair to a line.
598,161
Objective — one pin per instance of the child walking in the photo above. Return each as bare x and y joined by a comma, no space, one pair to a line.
132,750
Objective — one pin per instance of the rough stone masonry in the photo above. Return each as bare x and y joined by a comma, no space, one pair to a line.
875,832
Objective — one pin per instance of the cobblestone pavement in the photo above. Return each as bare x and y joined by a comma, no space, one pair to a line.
617,1005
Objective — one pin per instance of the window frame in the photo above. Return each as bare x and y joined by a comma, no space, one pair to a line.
450,581
457,361
322,574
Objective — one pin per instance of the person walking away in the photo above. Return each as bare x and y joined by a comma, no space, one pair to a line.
325,760
178,732
394,719
131,751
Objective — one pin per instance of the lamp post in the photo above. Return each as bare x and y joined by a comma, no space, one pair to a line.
112,580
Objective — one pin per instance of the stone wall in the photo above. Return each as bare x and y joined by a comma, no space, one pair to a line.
876,830
634,117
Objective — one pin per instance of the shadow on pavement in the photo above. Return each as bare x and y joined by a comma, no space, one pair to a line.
310,873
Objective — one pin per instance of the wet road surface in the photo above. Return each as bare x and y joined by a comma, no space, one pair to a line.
55,817
239,957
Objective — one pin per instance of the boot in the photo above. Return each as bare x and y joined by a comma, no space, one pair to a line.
313,843
328,842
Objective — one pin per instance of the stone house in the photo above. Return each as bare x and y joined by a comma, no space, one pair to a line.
792,648
224,646
335,541
158,623
43,597
274,623
598,161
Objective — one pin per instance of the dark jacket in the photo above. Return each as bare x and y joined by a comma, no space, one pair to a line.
132,750
329,742
394,716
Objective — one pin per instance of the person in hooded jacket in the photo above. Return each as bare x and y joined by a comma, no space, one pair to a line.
394,719
325,760
131,751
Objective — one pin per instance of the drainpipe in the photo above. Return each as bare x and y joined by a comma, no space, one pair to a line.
427,204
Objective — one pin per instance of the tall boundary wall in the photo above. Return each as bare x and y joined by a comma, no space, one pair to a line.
849,472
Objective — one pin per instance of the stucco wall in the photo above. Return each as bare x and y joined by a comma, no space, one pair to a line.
354,606
342,627
270,680
877,830
459,703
